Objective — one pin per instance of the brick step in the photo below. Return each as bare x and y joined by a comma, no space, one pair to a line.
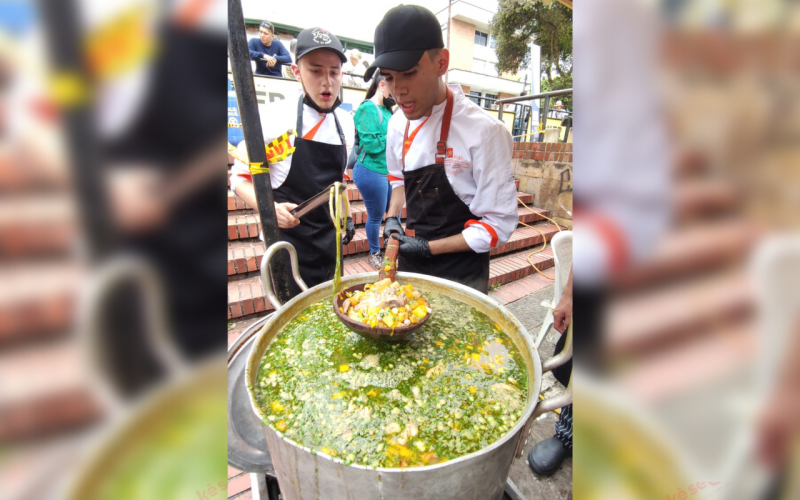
701,198
37,299
34,224
32,174
44,389
645,322
515,290
247,226
691,250
247,297
704,359
245,256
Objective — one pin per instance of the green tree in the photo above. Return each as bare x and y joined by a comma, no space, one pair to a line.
518,22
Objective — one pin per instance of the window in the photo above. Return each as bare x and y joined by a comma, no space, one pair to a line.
487,103
475,97
492,42
481,38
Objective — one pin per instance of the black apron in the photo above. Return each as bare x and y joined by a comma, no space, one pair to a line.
434,211
315,165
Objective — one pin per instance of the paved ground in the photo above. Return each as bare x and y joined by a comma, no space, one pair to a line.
558,486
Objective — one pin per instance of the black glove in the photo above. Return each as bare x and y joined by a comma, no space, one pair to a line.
413,247
391,226
349,232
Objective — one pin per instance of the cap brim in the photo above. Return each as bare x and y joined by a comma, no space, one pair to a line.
341,56
398,60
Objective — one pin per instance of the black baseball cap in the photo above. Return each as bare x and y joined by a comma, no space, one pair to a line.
402,36
318,38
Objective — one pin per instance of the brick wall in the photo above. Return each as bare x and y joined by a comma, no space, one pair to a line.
462,41
544,169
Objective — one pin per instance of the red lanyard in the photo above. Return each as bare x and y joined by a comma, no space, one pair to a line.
408,140
441,146
311,133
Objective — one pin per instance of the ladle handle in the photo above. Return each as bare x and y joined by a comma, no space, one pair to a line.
265,279
389,259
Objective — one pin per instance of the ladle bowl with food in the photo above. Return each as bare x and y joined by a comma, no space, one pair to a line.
385,310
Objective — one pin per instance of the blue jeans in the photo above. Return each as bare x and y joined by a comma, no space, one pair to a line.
376,192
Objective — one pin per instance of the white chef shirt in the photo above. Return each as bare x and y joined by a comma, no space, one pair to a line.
279,117
478,165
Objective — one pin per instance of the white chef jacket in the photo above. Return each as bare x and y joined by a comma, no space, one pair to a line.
478,165
281,116
624,170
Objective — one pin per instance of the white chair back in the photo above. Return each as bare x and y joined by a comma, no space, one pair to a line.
562,256
562,252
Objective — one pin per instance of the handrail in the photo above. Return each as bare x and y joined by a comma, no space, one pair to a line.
542,95
543,116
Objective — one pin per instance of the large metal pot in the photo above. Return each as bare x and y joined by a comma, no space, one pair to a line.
481,475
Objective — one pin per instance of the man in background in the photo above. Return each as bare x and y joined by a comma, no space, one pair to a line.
269,54
558,111
356,70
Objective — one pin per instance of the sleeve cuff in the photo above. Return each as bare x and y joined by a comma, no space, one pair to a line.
607,231
237,178
478,238
489,229
396,181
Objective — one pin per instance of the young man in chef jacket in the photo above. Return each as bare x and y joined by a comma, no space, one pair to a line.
449,162
320,143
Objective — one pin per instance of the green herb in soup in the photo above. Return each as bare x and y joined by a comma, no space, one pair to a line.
456,386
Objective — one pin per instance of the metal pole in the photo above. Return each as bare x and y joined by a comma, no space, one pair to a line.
69,68
545,110
254,140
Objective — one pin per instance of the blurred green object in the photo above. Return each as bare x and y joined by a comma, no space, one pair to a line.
172,446
619,452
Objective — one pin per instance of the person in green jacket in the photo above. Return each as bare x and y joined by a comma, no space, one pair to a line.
369,172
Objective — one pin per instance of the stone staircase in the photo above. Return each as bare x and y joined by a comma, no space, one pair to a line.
684,318
46,392
509,264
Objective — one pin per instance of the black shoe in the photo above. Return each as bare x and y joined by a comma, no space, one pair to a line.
547,456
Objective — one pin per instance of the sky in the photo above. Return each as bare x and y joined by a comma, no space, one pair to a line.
350,18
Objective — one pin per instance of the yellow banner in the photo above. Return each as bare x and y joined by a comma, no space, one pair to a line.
234,151
121,44
280,148
69,89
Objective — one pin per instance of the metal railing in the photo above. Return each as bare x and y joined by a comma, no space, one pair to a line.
544,110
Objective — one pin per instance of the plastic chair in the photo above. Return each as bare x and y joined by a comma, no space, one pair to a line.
562,254
775,270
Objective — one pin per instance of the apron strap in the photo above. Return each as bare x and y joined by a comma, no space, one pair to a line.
300,117
441,146
341,138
